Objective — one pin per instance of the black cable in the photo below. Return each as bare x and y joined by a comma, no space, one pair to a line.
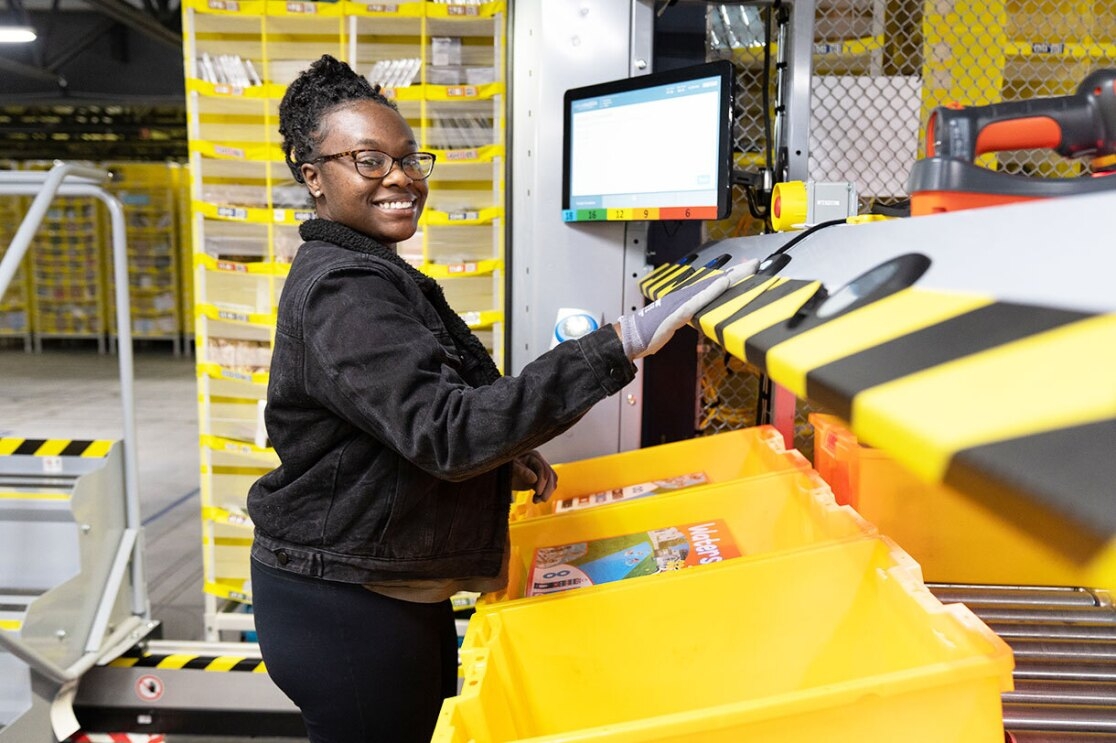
898,209
754,208
804,234
663,9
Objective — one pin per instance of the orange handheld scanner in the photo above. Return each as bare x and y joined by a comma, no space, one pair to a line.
1074,126
1082,125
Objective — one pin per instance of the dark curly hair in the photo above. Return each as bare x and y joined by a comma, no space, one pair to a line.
327,83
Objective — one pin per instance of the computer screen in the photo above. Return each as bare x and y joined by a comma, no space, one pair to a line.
655,147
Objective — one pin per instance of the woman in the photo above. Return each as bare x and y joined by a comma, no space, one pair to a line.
399,441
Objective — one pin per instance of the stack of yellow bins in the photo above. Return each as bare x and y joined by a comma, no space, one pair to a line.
821,629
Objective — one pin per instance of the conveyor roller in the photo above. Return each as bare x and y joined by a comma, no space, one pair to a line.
1064,642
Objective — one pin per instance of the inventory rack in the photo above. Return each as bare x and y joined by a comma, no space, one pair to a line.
239,57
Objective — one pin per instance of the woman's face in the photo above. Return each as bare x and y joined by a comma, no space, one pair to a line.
386,209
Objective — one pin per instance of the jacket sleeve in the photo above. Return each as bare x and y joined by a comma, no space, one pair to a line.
374,363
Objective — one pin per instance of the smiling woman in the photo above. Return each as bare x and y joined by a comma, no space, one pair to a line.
399,440
358,183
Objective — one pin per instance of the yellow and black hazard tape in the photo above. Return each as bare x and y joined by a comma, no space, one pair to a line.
184,661
55,447
951,384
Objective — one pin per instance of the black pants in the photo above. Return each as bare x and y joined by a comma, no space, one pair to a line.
362,667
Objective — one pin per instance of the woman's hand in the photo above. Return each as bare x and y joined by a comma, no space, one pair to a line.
531,471
646,330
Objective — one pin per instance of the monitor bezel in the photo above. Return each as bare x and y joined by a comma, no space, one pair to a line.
718,68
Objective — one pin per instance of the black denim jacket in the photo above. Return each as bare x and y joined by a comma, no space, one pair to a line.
393,464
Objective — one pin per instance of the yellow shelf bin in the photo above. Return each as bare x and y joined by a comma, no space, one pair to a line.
843,644
780,512
722,458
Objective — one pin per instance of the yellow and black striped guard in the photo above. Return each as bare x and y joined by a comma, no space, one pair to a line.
55,447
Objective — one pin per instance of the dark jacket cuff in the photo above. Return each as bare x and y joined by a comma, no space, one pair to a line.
604,353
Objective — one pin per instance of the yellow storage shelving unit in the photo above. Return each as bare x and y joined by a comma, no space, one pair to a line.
15,320
180,176
456,106
67,273
246,208
147,191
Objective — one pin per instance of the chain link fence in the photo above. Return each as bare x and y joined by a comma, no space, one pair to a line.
879,68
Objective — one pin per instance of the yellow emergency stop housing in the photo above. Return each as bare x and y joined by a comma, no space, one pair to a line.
799,204
788,205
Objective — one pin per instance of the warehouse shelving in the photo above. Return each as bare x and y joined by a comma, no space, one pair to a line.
67,272
455,105
246,208
180,174
147,192
15,321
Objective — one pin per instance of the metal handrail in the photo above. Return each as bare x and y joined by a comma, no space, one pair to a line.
71,179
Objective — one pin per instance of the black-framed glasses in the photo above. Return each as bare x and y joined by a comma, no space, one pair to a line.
376,164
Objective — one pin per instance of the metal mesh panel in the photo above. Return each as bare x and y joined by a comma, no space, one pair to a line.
879,68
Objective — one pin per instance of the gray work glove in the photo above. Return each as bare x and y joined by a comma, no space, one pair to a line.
531,471
645,331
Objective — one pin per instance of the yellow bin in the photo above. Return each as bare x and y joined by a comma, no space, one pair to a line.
778,512
842,644
955,538
720,458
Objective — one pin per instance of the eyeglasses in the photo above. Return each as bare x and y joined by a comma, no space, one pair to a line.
376,164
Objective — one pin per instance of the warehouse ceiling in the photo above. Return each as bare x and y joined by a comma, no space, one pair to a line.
103,80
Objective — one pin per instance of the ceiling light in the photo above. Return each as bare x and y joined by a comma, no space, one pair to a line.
16,34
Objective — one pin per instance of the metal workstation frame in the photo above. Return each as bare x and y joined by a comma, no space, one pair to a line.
558,45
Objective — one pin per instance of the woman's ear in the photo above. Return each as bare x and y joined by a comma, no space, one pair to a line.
310,176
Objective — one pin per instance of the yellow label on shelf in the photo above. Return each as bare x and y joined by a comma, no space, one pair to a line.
226,90
464,11
265,268
463,269
225,516
248,8
462,92
219,443
400,9
216,371
482,319
226,590
472,216
484,154
292,216
224,314
230,213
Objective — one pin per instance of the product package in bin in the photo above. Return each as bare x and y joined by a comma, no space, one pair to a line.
591,563
739,519
666,468
843,644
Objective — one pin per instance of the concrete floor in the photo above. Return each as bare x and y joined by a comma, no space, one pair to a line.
75,393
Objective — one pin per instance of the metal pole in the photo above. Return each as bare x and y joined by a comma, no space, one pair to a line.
140,605
799,60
